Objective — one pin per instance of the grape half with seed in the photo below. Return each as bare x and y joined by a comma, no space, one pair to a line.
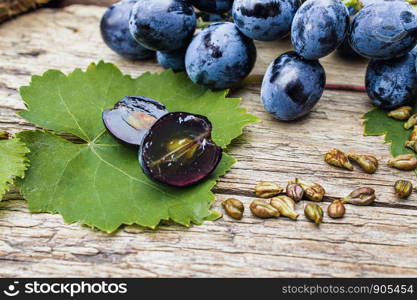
178,150
131,118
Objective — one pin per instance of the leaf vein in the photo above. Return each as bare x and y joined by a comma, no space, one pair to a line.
129,176
71,114
60,176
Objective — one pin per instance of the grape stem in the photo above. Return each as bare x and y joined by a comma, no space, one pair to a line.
345,87
257,79
203,24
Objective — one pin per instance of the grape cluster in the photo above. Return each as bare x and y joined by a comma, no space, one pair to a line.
222,54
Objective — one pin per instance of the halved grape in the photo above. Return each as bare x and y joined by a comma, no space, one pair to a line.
131,118
178,150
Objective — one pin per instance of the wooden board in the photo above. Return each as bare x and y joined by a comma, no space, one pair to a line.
370,241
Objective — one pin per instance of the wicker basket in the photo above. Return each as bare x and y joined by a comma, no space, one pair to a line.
10,8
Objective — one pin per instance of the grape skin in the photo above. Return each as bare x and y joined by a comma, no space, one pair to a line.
174,60
213,6
114,27
392,83
162,25
264,20
379,29
345,50
292,86
220,56
319,27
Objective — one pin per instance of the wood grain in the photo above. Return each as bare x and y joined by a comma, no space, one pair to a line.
370,241
63,3
11,8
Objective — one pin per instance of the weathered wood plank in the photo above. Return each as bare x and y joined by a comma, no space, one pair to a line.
370,241
63,3
11,8
370,246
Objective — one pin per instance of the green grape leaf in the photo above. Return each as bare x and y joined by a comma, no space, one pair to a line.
378,123
99,182
13,162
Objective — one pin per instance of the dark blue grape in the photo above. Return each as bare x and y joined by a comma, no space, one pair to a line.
178,150
368,2
114,28
414,51
174,60
345,50
213,6
319,27
392,83
162,25
264,20
220,56
384,29
292,86
131,118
